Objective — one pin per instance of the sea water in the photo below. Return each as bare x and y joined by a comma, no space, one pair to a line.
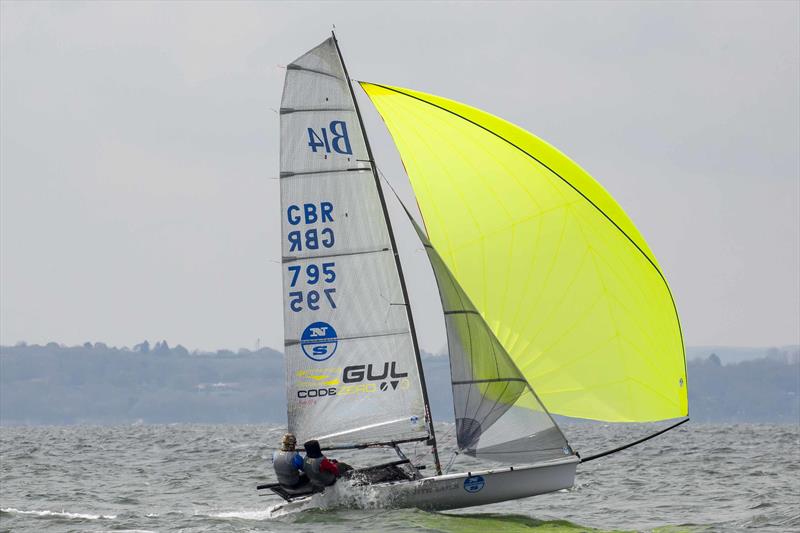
203,477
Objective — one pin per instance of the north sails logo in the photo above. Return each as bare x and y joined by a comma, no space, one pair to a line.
319,341
474,484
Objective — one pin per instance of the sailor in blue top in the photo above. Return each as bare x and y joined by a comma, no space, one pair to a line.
288,464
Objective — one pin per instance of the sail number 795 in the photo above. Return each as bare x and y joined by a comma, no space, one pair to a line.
313,274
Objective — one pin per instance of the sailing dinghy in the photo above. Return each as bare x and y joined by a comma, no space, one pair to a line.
553,302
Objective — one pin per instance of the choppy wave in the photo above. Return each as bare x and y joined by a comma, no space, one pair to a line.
699,478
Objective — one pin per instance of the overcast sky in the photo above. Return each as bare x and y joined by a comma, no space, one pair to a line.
139,150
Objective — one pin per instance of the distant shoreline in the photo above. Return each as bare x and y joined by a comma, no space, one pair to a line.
98,385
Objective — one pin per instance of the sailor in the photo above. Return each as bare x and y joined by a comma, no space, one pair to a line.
320,470
288,464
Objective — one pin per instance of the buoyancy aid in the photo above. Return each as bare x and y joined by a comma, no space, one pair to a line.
285,467
312,468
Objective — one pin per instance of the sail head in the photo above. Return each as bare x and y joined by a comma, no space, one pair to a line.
351,371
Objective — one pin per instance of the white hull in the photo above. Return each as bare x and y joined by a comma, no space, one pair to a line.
451,491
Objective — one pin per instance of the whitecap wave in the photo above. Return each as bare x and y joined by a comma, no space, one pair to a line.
127,531
243,514
60,514
342,495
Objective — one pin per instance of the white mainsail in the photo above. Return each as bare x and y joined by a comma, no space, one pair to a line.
352,371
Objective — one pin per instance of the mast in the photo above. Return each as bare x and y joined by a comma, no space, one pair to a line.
428,414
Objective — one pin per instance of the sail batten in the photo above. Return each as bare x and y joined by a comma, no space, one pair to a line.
312,70
313,172
292,342
289,110
551,262
292,259
492,380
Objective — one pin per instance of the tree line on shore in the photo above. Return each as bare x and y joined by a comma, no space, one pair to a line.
95,383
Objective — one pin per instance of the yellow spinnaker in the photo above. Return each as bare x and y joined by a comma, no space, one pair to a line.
550,260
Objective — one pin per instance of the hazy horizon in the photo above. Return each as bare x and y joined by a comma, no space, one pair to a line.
97,384
727,353
139,142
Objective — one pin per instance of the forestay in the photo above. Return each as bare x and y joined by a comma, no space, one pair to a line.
351,368
498,415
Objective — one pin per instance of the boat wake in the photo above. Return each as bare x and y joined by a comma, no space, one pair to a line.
343,495
243,515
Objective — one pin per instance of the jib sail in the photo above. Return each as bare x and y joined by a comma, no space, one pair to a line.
498,415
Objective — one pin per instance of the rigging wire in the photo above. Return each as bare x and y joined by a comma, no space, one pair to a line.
450,462
634,443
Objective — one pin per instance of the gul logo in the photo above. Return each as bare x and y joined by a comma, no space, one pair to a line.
356,373
474,484
319,341
359,379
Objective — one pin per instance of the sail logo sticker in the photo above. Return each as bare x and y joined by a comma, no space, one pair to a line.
474,484
319,341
